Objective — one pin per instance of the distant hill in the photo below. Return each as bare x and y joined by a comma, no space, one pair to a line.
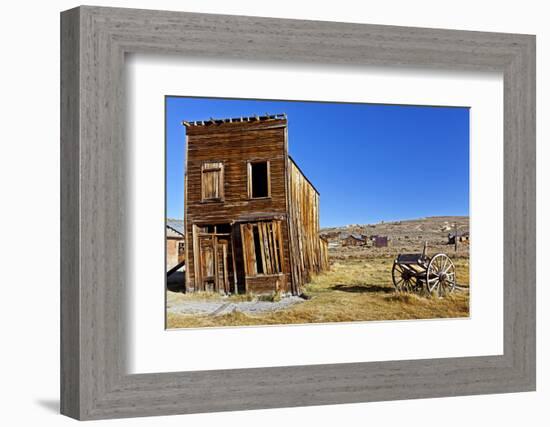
403,236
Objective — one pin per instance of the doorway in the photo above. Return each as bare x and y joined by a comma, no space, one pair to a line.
214,261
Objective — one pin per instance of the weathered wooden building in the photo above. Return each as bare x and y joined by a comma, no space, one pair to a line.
175,243
251,215
352,239
379,241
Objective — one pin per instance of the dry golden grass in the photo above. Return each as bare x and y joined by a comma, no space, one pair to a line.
353,290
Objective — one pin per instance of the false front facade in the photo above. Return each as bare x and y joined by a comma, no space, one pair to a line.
251,215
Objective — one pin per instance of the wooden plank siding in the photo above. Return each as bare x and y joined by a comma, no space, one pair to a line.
304,227
234,145
274,239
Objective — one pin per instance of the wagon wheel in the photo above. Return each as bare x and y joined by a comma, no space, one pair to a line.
440,275
403,279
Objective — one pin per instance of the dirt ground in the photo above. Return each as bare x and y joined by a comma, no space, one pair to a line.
358,286
355,289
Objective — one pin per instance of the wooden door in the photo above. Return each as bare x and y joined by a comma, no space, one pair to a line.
214,263
207,263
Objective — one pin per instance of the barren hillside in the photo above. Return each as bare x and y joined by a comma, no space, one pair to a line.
403,236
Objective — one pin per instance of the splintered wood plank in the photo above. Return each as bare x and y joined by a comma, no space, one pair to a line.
261,240
234,261
248,249
265,248
222,265
215,263
273,247
244,242
280,243
269,238
197,279
252,250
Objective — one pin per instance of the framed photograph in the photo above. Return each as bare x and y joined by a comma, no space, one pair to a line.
263,246
261,213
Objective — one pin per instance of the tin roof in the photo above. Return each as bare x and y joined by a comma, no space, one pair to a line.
355,236
175,225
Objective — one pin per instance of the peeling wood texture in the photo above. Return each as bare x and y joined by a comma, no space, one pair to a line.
242,185
304,227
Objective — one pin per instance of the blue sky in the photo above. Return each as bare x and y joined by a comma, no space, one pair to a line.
370,162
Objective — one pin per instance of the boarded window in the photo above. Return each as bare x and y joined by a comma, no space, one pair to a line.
214,229
212,181
262,247
258,250
258,179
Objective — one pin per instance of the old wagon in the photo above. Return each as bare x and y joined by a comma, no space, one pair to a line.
421,273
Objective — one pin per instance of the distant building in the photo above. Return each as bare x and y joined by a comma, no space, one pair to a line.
175,243
352,239
380,241
462,237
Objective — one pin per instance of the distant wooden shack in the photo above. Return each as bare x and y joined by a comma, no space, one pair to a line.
462,237
352,239
379,241
251,215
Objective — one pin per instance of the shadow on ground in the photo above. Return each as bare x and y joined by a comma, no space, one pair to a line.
176,282
362,288
51,405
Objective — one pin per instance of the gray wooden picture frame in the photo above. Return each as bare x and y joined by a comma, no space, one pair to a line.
94,41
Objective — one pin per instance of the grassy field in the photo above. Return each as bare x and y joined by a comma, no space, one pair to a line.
353,290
